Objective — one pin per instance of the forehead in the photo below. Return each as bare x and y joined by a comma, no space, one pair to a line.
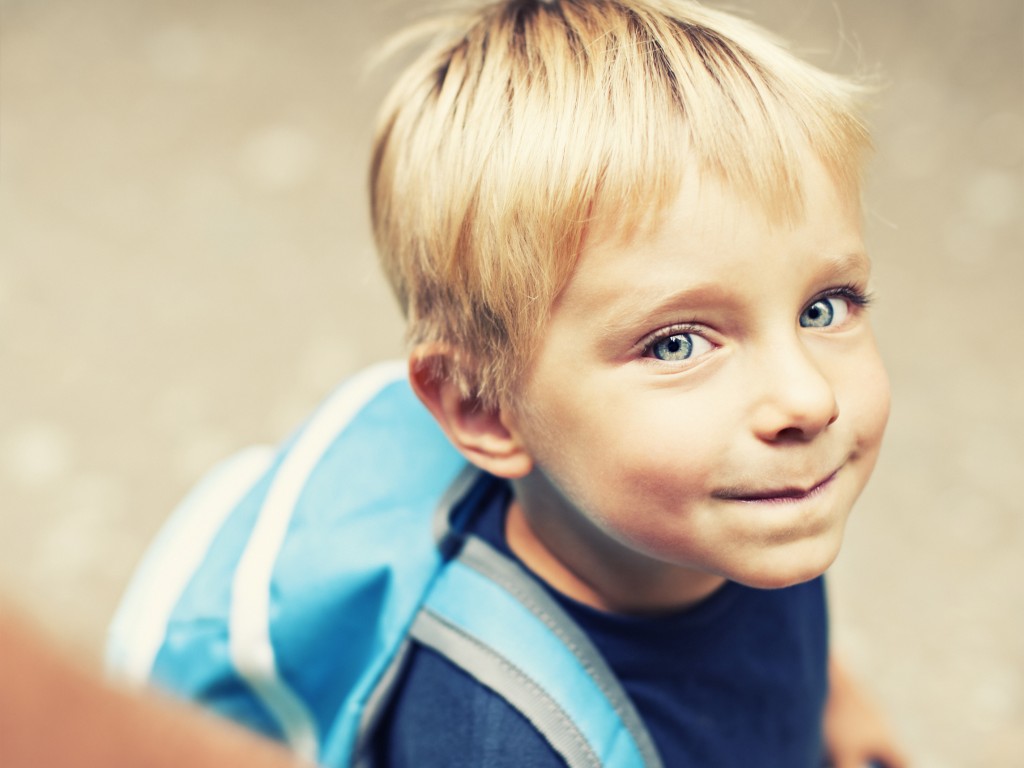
710,238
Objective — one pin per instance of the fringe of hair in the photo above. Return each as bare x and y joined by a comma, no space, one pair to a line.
526,120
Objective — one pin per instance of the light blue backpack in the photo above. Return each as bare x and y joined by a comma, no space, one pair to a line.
286,589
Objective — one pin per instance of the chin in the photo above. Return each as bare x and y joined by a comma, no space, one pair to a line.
786,566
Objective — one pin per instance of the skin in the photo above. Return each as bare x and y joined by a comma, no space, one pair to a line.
55,712
654,476
706,404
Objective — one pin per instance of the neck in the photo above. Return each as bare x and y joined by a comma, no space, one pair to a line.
584,566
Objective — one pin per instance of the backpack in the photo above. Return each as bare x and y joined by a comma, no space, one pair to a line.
286,589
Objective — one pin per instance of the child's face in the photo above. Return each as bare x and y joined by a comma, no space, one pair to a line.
708,396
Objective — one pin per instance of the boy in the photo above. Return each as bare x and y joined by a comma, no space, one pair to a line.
626,235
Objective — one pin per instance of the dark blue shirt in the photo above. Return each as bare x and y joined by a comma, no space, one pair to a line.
738,680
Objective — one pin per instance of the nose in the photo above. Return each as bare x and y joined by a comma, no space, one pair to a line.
795,399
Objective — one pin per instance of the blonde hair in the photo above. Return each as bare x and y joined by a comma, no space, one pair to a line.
526,119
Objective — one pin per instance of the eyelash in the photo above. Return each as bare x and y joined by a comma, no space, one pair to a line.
850,292
856,296
646,344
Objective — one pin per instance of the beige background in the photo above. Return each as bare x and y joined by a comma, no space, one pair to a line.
185,269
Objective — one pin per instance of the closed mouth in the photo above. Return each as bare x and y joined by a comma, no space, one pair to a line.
775,495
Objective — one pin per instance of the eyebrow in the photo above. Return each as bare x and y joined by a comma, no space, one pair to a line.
844,263
656,302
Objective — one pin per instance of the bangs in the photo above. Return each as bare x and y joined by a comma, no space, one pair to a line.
656,93
528,121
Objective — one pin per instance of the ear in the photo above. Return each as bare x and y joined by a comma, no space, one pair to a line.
480,434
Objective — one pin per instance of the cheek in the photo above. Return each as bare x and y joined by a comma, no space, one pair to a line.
636,464
645,485
658,447
868,400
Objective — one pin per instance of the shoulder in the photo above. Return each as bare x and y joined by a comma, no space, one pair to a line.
442,718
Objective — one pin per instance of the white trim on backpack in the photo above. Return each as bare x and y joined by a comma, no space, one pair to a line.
250,646
139,628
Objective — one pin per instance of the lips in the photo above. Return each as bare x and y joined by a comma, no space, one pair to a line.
776,495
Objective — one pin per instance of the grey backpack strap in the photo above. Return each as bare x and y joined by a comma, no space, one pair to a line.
495,622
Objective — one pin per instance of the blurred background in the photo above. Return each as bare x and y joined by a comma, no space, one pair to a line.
186,269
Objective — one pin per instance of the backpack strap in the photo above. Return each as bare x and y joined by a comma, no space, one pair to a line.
281,591
280,594
491,619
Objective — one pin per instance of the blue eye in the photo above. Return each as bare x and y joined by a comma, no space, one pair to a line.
674,348
827,311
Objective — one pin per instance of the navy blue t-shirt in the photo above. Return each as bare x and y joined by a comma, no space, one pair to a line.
738,680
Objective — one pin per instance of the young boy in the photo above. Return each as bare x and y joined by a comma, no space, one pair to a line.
626,235
627,239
